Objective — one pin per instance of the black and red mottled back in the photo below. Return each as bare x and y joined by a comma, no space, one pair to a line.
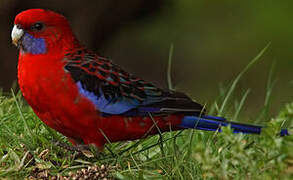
100,77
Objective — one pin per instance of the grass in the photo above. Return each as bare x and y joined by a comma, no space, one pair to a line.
28,148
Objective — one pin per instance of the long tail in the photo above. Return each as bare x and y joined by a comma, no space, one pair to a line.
211,123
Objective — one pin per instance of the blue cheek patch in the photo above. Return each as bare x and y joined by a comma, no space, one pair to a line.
105,105
33,45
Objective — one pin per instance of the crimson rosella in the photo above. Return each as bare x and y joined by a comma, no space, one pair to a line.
87,97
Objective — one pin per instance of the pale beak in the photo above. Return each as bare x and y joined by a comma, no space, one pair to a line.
16,34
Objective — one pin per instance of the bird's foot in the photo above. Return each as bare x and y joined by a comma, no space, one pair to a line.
85,149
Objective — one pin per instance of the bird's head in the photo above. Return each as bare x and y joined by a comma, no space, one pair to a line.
38,31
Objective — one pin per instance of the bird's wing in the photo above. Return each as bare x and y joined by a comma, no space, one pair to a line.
114,91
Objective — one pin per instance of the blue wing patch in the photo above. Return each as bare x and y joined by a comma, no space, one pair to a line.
108,105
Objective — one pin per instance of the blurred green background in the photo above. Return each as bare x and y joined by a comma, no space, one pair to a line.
213,41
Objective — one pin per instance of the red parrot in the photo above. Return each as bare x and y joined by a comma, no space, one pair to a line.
87,97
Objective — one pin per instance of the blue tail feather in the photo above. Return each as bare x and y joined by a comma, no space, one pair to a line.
214,117
212,123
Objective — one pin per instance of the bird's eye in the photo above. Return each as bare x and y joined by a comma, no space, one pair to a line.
37,26
18,26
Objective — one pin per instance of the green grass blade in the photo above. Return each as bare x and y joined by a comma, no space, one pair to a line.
240,105
169,70
234,83
269,89
22,116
